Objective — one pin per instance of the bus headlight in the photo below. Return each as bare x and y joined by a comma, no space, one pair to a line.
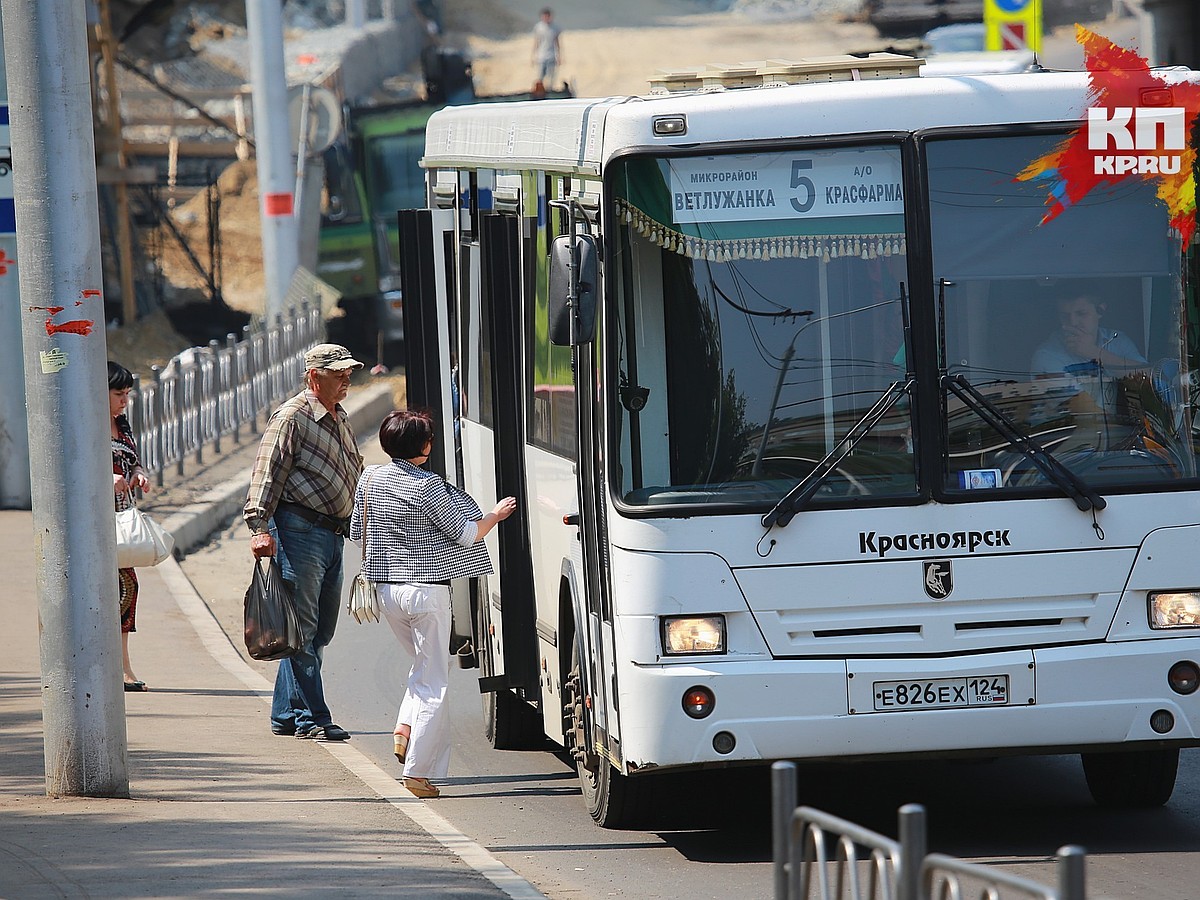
693,634
1174,609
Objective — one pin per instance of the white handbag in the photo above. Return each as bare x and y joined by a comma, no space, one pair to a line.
141,541
363,602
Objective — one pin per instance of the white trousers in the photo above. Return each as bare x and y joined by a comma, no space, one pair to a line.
420,616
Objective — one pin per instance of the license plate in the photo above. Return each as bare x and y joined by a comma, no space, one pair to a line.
942,693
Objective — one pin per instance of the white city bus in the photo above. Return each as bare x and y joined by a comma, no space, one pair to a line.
781,375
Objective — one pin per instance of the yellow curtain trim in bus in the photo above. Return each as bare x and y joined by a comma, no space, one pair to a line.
824,247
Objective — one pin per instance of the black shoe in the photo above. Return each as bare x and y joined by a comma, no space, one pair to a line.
283,730
329,732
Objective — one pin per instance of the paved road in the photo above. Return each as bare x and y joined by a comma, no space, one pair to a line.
525,807
714,838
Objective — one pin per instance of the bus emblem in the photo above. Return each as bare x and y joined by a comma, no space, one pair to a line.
939,578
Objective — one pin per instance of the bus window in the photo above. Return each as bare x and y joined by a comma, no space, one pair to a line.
1072,327
552,381
763,328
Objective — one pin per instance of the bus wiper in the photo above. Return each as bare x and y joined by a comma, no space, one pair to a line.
1067,481
797,498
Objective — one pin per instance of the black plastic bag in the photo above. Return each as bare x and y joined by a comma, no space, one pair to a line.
272,626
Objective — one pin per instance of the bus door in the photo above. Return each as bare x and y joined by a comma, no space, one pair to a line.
500,248
425,235
426,248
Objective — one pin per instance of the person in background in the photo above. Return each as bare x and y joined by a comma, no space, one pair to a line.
420,533
299,504
128,474
547,52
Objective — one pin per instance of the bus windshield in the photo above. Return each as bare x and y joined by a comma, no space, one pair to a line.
761,302
760,307
1074,328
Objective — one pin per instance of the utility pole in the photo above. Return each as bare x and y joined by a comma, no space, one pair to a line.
14,427
272,141
62,323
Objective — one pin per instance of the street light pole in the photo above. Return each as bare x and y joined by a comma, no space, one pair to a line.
62,326
272,142
14,426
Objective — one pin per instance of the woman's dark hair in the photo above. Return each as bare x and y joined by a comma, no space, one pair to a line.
405,432
119,377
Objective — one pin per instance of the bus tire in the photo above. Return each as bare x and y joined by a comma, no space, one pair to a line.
1131,779
509,723
613,800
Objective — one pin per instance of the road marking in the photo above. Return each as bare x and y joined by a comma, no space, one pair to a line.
216,642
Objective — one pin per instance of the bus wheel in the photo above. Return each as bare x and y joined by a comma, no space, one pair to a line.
613,800
509,723
1131,779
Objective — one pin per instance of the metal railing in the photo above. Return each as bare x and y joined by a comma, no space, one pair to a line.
818,855
189,405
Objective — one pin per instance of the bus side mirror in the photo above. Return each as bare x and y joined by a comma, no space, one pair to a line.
560,289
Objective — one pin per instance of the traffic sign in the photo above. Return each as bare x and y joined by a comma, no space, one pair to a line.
1012,24
8,216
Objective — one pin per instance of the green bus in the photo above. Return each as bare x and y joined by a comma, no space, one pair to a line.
369,175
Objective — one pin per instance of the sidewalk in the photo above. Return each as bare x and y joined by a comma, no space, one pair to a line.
219,806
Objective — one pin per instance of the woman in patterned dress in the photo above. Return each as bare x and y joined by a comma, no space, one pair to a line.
127,475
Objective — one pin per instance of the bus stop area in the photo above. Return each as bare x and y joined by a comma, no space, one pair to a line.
218,805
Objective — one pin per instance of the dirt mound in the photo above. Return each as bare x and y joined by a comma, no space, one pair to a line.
237,231
150,341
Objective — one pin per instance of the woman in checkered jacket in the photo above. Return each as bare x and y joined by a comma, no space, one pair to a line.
420,533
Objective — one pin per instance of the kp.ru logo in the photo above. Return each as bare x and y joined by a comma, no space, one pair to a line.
1158,131
1137,127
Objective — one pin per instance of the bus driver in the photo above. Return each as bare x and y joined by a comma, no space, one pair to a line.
1081,346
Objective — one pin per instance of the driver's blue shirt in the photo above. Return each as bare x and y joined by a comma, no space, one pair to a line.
1053,357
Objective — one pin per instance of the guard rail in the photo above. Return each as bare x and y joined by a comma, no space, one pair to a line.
210,394
821,856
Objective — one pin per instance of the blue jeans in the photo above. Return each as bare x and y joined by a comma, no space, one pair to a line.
311,559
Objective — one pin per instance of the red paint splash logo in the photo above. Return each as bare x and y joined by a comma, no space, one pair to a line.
1137,126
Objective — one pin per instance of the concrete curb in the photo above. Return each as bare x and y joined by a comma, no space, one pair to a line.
195,524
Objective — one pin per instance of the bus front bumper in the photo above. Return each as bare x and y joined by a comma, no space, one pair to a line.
1058,699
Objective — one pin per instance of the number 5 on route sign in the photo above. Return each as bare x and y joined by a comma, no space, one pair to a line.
1012,24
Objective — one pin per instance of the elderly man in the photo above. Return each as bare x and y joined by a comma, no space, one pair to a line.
301,497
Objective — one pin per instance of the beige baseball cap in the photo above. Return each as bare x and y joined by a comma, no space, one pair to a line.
330,356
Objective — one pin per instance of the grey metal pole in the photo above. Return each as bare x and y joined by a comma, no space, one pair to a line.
912,850
272,141
783,804
356,13
1072,873
66,383
15,492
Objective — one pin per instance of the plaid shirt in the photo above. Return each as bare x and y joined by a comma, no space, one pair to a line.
419,528
307,456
